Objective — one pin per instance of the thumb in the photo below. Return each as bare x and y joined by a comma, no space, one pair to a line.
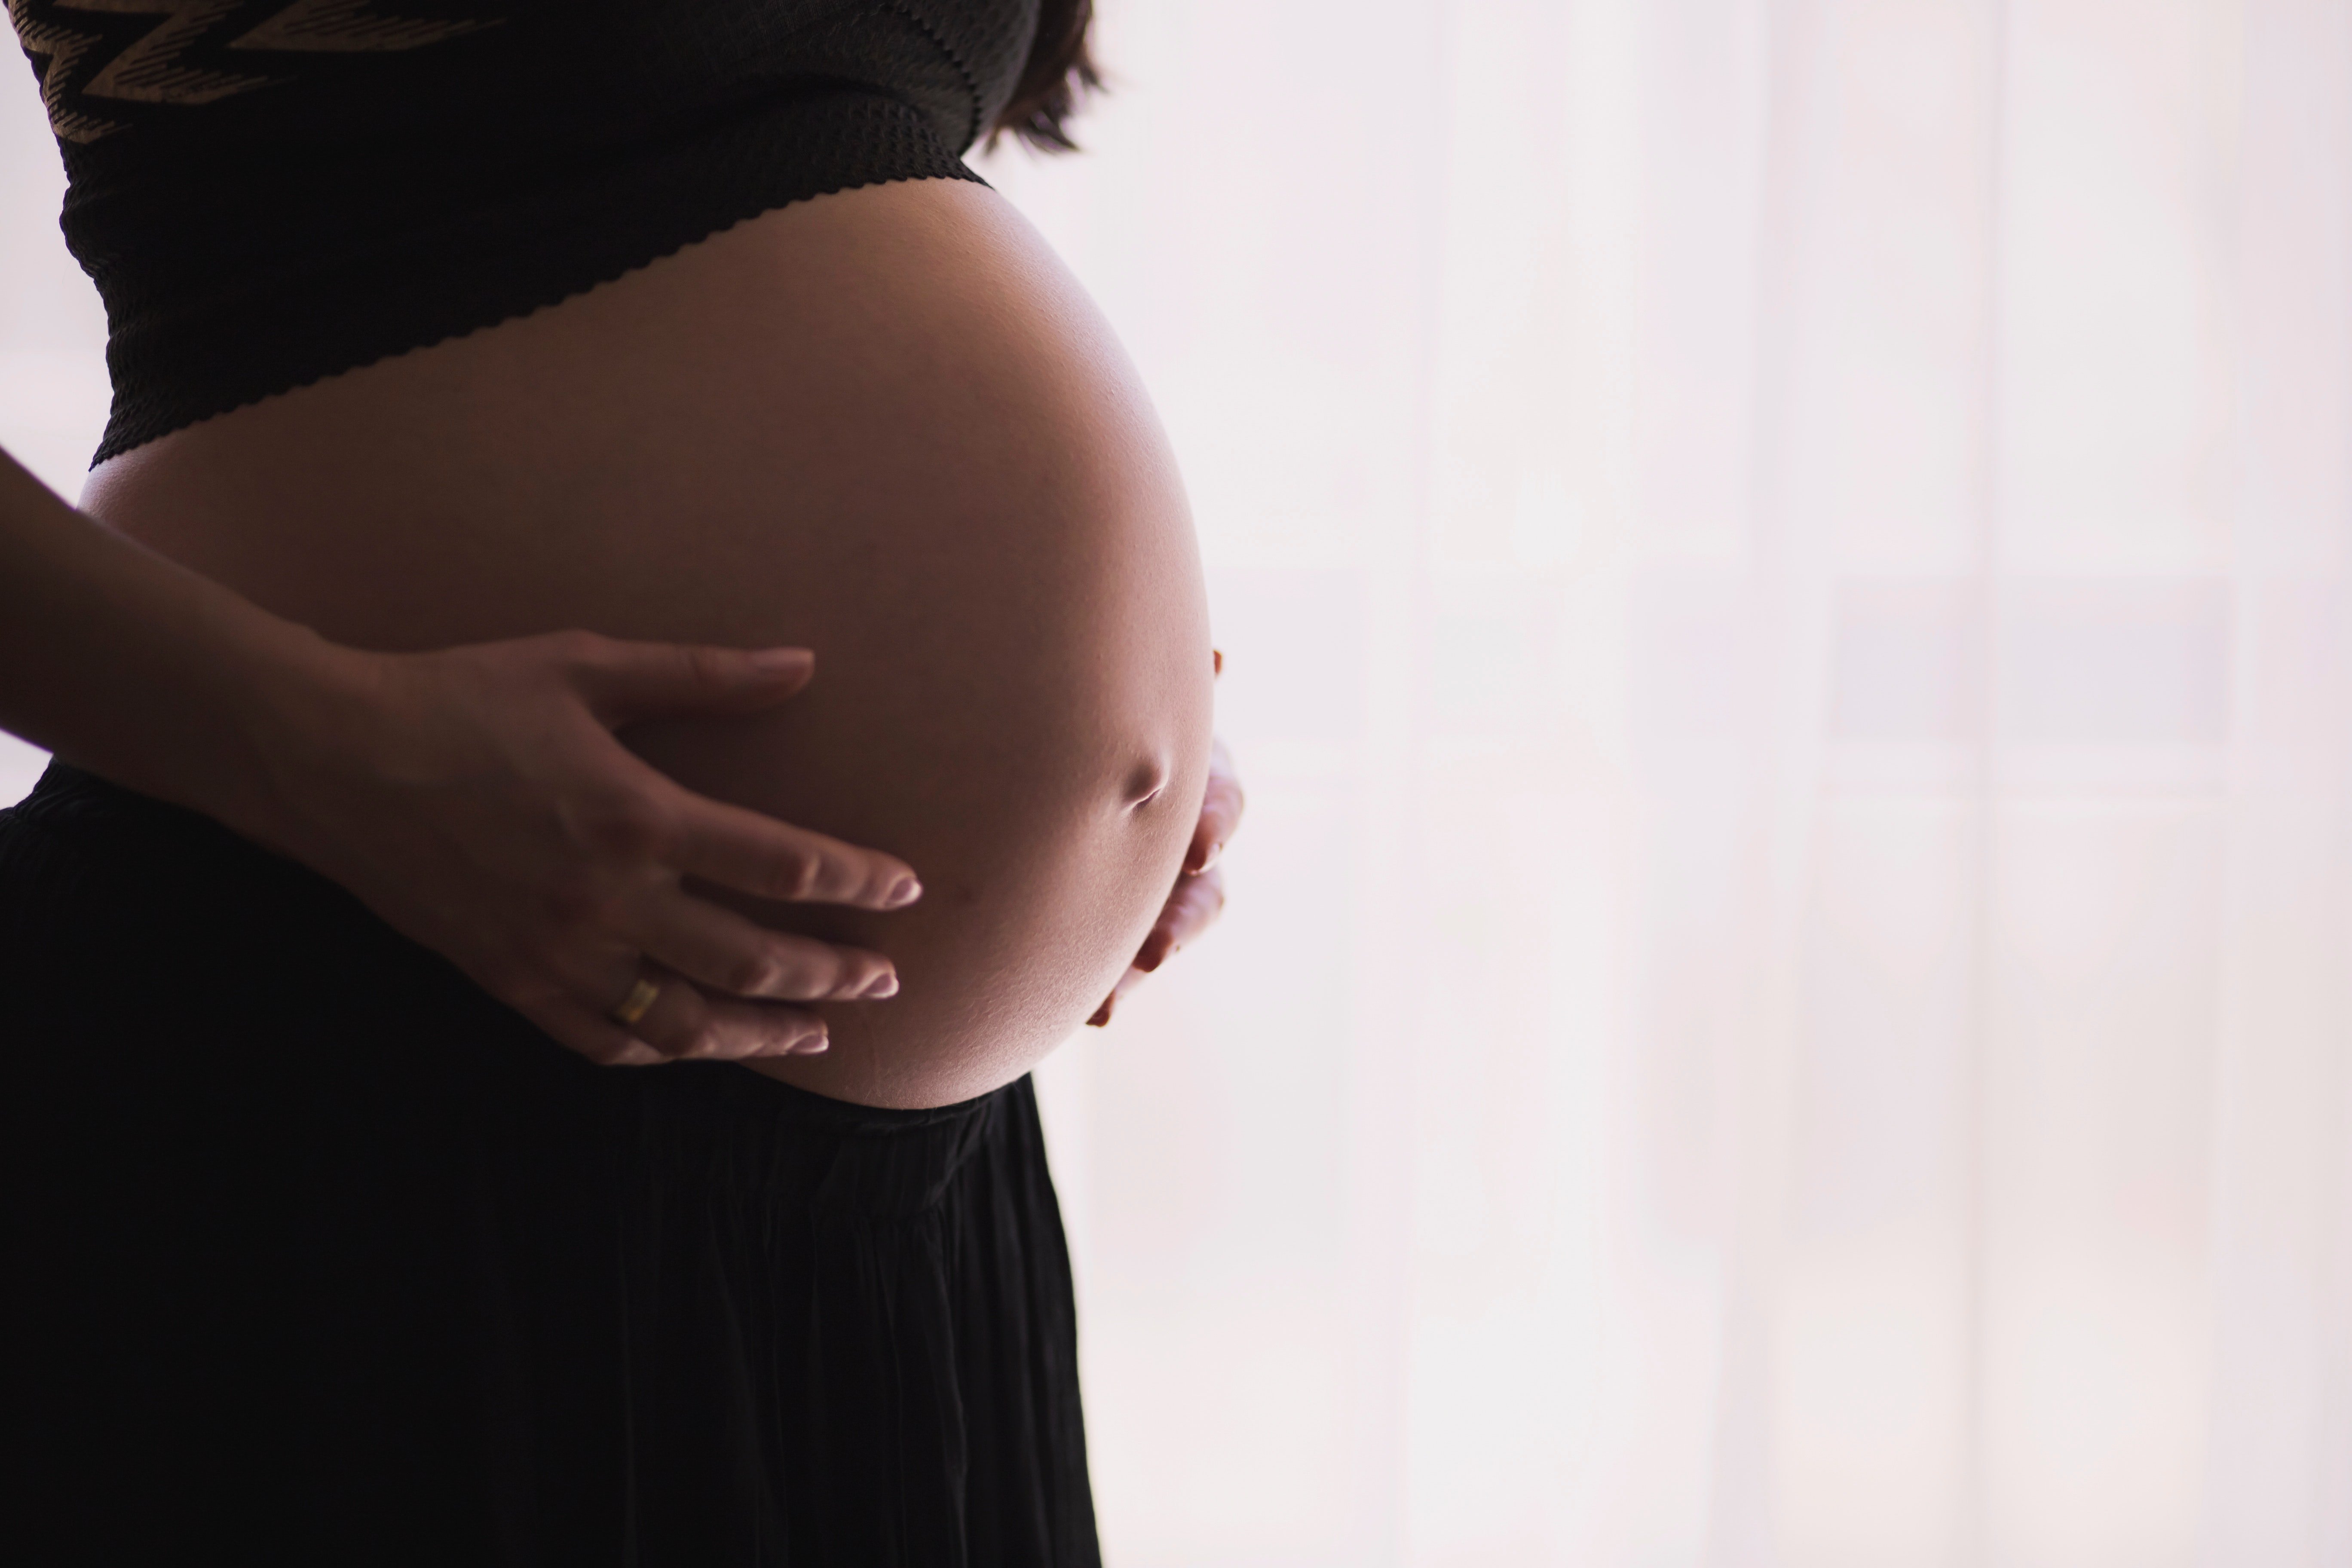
625,681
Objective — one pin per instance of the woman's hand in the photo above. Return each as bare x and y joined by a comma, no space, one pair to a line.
1200,894
476,799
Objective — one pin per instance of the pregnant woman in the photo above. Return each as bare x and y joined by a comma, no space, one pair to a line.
492,376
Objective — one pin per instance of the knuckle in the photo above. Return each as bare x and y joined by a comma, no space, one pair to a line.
661,1027
796,875
755,974
577,902
626,823
664,1040
714,1040
689,1029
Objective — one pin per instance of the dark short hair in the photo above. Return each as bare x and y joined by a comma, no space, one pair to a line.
1059,78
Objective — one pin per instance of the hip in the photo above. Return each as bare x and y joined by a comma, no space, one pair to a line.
342,1262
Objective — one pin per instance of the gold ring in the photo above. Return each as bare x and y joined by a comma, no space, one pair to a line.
635,1004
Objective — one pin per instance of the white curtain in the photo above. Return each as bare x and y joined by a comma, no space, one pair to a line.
1783,567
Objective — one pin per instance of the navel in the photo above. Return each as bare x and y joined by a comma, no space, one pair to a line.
1145,781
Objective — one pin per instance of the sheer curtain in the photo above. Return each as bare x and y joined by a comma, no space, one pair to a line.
1783,572
1782,566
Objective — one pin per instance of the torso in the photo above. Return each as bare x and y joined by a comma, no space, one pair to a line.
883,424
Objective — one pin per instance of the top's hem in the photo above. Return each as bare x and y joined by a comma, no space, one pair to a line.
689,192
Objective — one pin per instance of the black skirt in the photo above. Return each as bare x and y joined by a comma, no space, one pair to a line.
315,1254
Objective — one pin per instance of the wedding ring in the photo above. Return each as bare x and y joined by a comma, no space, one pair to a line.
634,1006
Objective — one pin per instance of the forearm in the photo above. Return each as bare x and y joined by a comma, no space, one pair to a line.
129,664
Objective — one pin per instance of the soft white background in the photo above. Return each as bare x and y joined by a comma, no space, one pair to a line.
1784,570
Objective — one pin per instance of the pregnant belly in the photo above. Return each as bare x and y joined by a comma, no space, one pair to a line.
883,424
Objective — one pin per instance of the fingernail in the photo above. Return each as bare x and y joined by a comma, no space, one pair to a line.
1209,859
881,985
1102,1016
812,1046
1153,955
905,891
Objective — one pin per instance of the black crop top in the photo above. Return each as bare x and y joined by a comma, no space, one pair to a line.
267,192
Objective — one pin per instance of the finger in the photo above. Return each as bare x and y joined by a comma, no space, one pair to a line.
1221,813
758,854
744,1029
685,1024
1127,982
678,1023
720,950
1191,909
599,1039
550,994
625,681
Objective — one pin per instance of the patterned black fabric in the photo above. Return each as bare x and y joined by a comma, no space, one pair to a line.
317,1255
269,192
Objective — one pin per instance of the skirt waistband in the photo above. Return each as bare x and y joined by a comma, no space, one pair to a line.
129,849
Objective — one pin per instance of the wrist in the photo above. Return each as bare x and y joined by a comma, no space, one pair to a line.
292,709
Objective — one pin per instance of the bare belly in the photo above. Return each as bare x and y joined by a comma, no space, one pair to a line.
884,424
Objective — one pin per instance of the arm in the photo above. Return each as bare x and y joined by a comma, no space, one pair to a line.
476,798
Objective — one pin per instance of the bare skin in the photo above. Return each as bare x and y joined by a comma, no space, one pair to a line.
476,798
883,426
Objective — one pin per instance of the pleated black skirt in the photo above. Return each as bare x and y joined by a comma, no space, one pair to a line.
316,1255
